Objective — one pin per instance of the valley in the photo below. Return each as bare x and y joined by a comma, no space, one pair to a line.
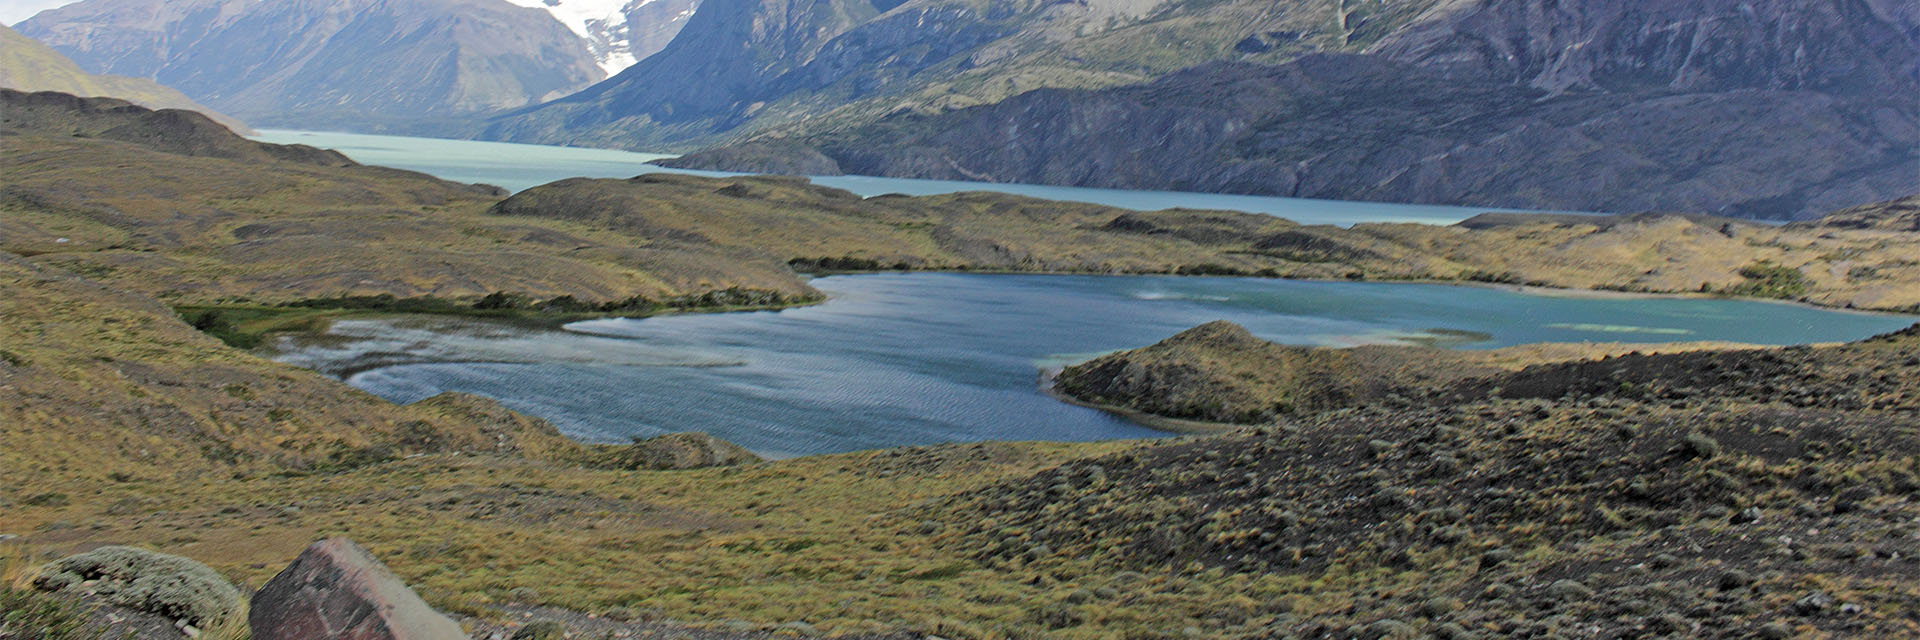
101,379
941,320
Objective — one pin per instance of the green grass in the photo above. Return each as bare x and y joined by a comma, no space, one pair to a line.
1766,279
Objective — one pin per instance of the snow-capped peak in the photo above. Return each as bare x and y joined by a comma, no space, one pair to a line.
603,23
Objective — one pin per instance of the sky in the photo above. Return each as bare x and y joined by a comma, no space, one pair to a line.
13,11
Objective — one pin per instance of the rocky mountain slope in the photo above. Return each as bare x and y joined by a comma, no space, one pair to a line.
743,66
1771,110
359,63
29,66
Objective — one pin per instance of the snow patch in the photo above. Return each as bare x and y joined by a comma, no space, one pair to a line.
602,23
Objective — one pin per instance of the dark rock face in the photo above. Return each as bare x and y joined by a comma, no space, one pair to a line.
305,61
336,590
742,66
1363,128
1762,110
1897,215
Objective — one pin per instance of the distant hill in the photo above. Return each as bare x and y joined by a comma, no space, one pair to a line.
358,64
27,65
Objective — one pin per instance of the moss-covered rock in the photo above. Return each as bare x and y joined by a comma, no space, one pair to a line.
158,583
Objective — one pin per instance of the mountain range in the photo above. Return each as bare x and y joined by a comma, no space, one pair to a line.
362,64
1777,109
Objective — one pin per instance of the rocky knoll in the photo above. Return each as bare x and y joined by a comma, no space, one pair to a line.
1784,109
672,452
1218,372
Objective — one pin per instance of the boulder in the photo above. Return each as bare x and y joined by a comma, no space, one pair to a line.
167,585
337,591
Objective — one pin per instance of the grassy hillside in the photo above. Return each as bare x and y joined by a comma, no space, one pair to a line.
1844,264
27,65
211,218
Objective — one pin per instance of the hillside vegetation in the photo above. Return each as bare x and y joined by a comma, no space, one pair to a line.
1848,263
174,206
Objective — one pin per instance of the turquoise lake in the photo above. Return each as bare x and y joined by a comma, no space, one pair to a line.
519,166
905,359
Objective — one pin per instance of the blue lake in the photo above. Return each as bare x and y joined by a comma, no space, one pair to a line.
904,359
520,166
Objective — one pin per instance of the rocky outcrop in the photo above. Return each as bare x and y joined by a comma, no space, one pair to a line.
1218,372
510,433
1895,215
337,591
674,452
360,63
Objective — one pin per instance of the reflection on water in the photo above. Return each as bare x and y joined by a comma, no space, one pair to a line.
903,359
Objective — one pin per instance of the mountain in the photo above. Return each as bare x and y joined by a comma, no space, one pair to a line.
26,65
620,32
363,64
1777,109
745,66
1357,127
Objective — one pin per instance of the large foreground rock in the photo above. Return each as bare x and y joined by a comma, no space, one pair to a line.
338,591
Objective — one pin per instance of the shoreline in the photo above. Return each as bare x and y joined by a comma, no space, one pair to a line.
1536,290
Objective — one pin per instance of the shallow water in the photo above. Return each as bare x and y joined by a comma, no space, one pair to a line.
904,359
520,166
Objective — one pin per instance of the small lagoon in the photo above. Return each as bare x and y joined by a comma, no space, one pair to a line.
906,359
